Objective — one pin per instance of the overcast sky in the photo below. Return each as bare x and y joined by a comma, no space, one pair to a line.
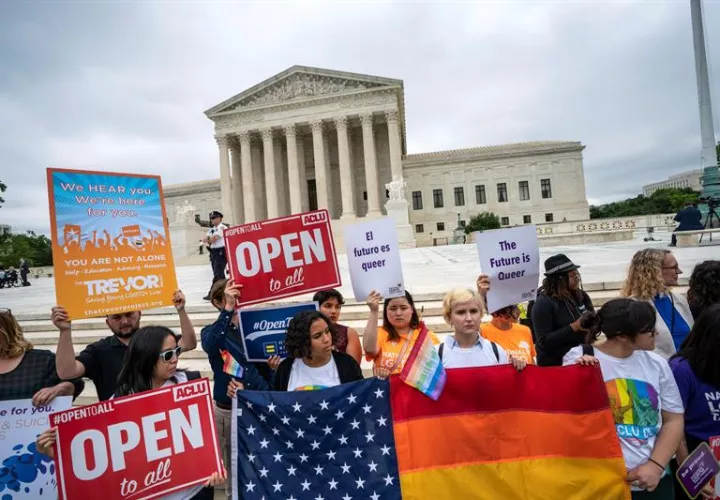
122,86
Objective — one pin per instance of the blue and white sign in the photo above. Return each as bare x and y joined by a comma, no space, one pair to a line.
25,473
263,330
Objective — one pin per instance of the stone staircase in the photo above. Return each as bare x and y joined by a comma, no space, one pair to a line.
41,332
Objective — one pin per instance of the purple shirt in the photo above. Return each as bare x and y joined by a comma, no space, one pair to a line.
701,400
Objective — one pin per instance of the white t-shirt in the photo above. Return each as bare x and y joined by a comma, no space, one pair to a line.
217,230
639,387
308,378
187,493
481,354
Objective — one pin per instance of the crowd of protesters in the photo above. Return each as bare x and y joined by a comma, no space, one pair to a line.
651,335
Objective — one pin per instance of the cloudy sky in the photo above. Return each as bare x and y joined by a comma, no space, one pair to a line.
122,86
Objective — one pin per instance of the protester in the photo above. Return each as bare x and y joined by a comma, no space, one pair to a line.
312,363
704,288
688,219
389,346
222,338
26,372
651,276
101,361
696,368
462,309
508,333
24,272
644,398
151,363
347,340
215,241
557,310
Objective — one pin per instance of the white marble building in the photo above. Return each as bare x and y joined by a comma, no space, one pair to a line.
309,138
691,179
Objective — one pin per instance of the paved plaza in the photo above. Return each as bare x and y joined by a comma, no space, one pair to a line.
426,270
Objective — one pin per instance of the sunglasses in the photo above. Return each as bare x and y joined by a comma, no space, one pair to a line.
167,356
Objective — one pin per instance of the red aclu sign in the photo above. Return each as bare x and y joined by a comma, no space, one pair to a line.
138,447
282,257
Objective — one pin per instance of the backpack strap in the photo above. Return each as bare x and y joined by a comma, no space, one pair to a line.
588,350
496,351
440,350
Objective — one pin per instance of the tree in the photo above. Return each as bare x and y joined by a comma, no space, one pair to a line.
3,187
37,250
662,201
482,222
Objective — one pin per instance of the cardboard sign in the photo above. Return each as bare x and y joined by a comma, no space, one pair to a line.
26,474
698,469
715,447
374,259
110,242
282,257
141,446
263,330
512,260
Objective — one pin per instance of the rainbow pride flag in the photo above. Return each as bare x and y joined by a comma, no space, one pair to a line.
543,433
231,366
423,369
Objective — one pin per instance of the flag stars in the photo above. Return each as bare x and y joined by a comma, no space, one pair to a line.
271,407
360,483
370,437
345,468
285,420
250,486
351,398
275,431
300,433
315,445
264,443
324,405
303,458
343,439
291,471
289,445
373,466
331,455
277,486
251,431
388,480
319,497
374,496
332,484
340,414
305,485
263,472
379,393
357,452
262,418
367,409
251,457
385,450
355,424
347,497
318,470
248,404
311,419
327,430
382,421
296,407
277,456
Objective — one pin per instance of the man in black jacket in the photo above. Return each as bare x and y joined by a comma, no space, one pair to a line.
556,314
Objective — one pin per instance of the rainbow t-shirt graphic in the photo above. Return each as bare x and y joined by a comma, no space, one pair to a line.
634,404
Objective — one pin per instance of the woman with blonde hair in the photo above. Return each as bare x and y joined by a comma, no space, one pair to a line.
652,274
463,310
28,373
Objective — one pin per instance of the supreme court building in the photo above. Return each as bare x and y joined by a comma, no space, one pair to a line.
312,138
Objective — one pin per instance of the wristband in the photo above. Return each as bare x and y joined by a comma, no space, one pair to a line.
657,463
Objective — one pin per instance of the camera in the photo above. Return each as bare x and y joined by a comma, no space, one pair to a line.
710,201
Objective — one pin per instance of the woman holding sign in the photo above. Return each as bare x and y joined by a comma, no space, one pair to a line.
389,346
151,363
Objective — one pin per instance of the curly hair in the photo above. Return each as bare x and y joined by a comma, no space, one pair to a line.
644,279
297,338
704,288
12,341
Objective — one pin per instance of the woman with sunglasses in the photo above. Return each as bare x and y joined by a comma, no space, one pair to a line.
652,274
151,363
644,398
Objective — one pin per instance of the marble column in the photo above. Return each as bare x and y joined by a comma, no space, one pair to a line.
395,144
271,188
225,180
280,178
237,189
328,164
347,195
321,170
293,170
258,168
248,186
371,171
302,167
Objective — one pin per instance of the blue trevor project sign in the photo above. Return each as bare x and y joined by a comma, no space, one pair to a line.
263,330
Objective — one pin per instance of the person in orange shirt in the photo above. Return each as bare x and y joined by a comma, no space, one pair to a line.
505,331
389,346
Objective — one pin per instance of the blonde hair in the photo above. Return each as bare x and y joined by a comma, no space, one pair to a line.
12,342
644,279
457,296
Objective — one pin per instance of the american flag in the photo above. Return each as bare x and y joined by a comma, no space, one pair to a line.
329,444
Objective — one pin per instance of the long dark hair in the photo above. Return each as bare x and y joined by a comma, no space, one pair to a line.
393,335
141,357
704,287
702,347
619,317
297,338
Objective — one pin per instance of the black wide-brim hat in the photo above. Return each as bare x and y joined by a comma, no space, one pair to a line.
559,264
215,214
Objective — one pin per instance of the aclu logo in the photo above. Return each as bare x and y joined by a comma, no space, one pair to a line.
131,284
314,218
190,391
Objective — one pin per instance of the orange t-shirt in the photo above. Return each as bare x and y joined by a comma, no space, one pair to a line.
388,351
517,341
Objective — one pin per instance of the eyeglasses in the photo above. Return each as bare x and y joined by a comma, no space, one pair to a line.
167,356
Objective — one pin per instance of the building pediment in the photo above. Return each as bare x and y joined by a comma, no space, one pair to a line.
301,83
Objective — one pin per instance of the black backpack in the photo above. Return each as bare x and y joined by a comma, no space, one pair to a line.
494,348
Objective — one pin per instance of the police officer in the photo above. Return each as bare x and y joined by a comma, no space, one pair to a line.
216,242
